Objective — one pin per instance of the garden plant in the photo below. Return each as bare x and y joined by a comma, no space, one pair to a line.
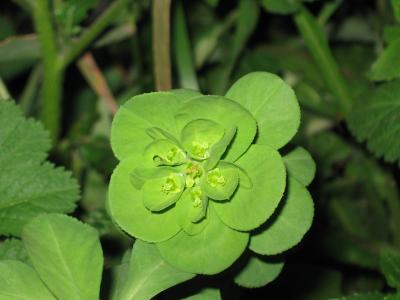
205,149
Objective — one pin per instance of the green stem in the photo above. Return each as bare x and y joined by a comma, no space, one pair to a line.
4,94
161,44
321,52
50,112
77,47
183,52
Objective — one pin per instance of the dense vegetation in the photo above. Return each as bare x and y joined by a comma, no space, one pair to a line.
66,66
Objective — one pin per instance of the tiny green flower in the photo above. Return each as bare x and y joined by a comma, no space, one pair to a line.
170,185
215,178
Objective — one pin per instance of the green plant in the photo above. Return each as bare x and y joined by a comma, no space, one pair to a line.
340,58
199,175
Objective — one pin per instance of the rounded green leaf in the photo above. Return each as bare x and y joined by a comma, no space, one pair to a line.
300,165
198,136
225,112
272,102
258,272
221,182
251,207
126,208
292,221
160,193
211,251
19,281
128,132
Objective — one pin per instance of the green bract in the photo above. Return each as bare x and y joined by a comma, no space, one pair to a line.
200,175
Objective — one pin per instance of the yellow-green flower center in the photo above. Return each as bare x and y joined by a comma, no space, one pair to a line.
170,186
200,149
215,178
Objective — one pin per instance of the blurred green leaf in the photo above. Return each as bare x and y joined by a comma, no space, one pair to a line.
390,266
183,51
330,152
283,7
6,28
382,131
396,9
208,32
387,66
391,33
19,48
213,3
367,296
246,23
350,250
70,13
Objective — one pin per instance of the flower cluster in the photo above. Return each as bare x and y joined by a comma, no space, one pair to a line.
199,173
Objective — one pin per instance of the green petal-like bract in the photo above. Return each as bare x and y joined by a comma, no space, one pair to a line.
249,208
290,225
226,112
272,102
126,207
128,133
211,251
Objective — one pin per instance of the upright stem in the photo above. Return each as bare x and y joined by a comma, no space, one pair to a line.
319,48
50,112
161,44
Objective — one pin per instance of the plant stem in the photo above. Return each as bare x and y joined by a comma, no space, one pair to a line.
183,52
93,75
321,52
77,47
161,44
50,112
4,94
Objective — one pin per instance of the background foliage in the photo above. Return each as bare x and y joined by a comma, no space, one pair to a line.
71,63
